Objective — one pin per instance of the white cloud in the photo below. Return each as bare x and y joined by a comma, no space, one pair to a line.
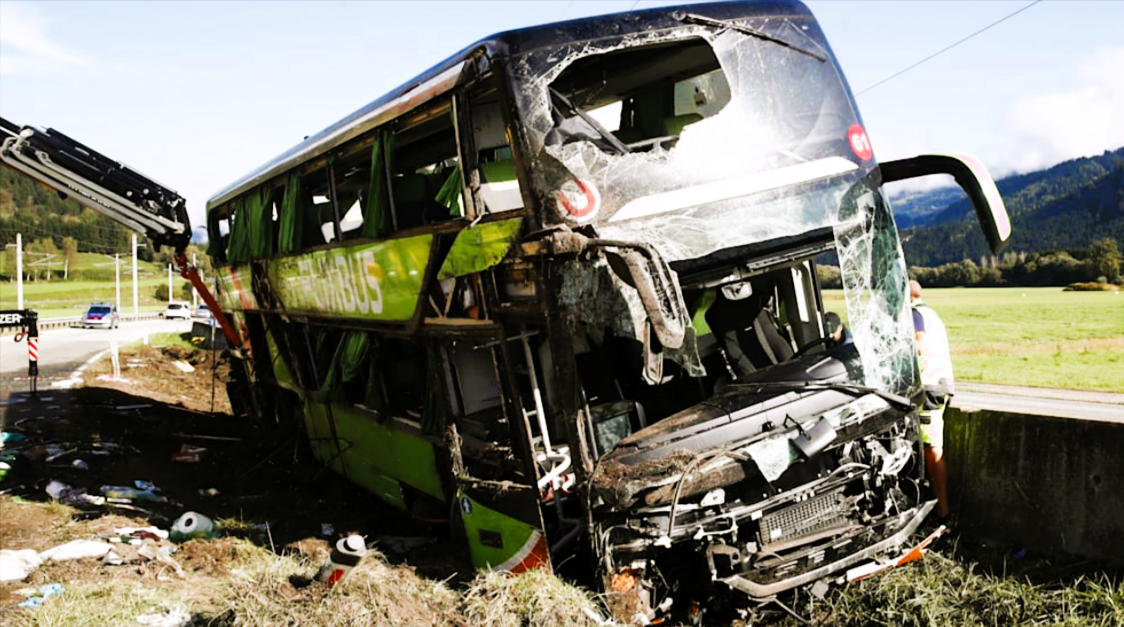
1060,125
24,44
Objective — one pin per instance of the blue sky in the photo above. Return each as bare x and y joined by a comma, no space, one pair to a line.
196,94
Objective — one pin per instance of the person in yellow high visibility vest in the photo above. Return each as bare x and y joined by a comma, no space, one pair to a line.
937,383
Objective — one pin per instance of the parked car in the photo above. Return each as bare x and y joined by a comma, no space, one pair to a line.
203,312
101,315
177,310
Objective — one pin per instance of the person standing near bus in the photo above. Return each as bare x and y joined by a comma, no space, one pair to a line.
937,383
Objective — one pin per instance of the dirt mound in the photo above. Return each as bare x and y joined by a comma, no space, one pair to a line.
175,375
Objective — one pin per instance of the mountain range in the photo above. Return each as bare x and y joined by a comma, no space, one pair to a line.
1063,207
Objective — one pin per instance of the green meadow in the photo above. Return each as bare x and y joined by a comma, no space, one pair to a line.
56,298
1036,336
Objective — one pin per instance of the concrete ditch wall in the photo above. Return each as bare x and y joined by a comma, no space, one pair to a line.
1054,485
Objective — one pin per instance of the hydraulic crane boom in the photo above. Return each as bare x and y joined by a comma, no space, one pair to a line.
112,189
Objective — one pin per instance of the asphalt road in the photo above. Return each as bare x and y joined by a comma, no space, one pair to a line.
1037,401
61,351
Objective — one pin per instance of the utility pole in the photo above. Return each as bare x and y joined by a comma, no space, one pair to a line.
194,292
19,271
136,298
117,276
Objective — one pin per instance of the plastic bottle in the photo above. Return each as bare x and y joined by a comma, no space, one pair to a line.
191,526
346,555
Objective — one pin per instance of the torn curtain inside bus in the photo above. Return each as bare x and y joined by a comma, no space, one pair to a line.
376,215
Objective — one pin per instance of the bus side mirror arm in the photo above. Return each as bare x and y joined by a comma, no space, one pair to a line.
973,178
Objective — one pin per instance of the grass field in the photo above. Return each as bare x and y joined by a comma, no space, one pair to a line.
57,298
1038,336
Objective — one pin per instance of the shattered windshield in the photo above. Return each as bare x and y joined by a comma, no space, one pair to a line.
683,139
707,138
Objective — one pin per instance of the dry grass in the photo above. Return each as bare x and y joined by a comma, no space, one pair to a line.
533,598
232,582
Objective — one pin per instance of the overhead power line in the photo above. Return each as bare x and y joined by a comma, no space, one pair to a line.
946,49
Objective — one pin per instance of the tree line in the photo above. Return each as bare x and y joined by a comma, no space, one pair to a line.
55,230
1100,263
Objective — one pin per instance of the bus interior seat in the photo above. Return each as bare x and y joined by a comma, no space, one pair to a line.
771,338
499,186
749,334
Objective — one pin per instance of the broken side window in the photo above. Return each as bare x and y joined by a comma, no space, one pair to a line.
404,373
498,188
637,98
424,165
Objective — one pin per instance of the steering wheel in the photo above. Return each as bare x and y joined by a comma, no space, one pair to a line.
803,350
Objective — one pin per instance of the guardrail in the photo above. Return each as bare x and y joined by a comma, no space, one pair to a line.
73,321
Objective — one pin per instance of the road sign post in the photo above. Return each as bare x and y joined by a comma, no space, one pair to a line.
28,320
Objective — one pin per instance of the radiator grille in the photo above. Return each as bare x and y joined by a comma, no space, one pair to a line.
805,518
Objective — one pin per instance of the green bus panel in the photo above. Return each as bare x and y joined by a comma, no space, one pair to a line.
479,247
374,455
379,281
497,541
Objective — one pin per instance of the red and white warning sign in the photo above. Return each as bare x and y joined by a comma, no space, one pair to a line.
860,143
33,349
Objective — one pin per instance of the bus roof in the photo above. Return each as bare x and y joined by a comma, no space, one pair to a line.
448,73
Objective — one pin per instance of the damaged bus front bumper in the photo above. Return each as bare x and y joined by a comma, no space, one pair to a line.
682,523
759,591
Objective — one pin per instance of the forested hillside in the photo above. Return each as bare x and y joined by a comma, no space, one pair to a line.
1065,207
50,224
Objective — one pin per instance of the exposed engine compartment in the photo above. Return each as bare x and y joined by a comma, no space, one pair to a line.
762,513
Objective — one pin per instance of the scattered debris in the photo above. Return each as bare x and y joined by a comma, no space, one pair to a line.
191,526
125,492
7,437
16,565
183,366
54,452
346,555
76,549
45,591
154,533
916,553
189,453
177,617
77,497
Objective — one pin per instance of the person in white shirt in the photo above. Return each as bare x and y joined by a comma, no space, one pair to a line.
937,383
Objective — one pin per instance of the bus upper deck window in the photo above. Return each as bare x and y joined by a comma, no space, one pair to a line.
499,186
425,169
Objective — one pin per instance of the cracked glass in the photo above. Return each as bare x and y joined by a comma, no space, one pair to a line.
701,139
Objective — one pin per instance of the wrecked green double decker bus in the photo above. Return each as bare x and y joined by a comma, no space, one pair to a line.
560,290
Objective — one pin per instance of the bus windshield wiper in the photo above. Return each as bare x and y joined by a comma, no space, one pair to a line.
561,101
691,18
894,399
